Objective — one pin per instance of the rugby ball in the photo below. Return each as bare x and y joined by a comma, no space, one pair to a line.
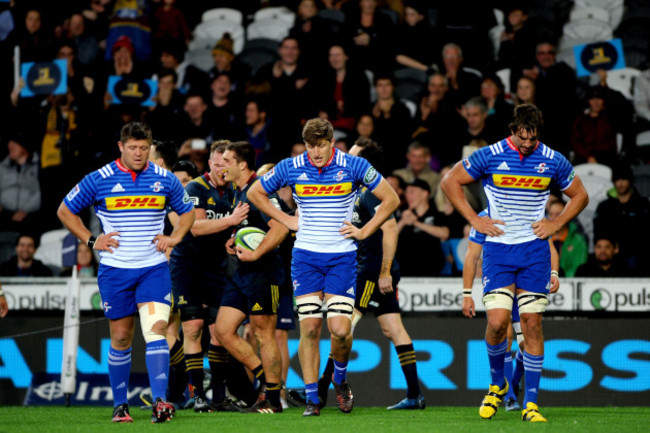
249,237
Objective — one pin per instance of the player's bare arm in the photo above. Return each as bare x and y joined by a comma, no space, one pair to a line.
185,222
203,226
555,266
389,245
273,238
260,199
104,242
470,265
452,185
389,203
578,200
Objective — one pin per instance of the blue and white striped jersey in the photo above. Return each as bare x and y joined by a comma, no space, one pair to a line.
517,187
325,196
478,237
133,204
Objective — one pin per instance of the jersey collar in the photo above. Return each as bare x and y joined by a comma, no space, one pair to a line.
512,146
329,161
249,182
128,170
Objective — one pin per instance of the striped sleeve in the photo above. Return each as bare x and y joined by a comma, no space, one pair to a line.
277,177
82,195
179,200
365,173
478,237
564,174
477,163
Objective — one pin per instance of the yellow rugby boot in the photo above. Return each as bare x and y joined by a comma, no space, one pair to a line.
531,413
492,400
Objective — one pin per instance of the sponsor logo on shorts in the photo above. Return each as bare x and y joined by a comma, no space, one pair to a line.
338,189
296,284
350,291
257,307
135,202
523,182
106,306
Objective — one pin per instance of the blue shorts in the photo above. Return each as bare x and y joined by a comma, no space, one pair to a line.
286,316
123,289
333,273
526,265
194,285
254,292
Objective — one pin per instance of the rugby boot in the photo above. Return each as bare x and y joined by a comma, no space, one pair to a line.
311,410
531,413
162,411
121,413
344,397
409,403
492,400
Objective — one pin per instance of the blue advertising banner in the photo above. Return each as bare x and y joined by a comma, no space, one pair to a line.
138,92
44,78
605,55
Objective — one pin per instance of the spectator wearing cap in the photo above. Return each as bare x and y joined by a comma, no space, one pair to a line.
604,262
224,58
190,79
123,52
625,214
20,193
421,230
23,263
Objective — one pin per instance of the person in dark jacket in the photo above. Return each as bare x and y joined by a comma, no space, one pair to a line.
23,263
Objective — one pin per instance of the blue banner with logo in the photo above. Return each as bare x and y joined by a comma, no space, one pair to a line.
605,55
44,78
136,92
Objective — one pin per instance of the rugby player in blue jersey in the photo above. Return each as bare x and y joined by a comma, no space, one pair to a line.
517,174
130,196
325,183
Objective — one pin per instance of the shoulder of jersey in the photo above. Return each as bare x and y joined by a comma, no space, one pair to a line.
199,181
341,158
107,171
498,147
158,170
546,151
300,160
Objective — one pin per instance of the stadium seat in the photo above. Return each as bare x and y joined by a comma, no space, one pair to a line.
594,170
276,13
49,250
495,37
334,17
268,28
215,30
499,16
643,139
201,58
410,83
567,56
394,16
622,80
642,179
592,13
7,245
587,29
412,106
597,179
227,14
613,7
371,80
258,52
504,75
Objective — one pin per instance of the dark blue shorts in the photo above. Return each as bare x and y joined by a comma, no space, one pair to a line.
123,289
370,298
333,273
252,292
286,316
194,285
526,265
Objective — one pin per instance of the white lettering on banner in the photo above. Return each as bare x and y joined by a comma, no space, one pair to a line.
615,295
445,294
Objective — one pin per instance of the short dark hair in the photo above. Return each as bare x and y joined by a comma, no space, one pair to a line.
372,152
167,71
136,131
27,235
165,150
317,129
244,152
187,166
385,76
527,117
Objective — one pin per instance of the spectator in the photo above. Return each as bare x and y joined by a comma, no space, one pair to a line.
499,111
570,244
525,93
86,262
517,43
605,261
369,29
625,214
365,126
399,186
593,136
393,123
297,149
31,38
196,122
257,127
224,58
475,113
421,229
23,263
462,84
169,23
190,78
409,36
419,157
85,44
224,109
169,107
20,193
342,92
312,33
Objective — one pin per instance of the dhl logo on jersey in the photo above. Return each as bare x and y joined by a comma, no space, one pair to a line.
135,202
323,190
518,181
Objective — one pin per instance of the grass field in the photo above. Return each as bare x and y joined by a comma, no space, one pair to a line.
375,420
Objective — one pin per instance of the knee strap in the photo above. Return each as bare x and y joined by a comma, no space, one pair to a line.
498,298
150,314
340,306
532,302
309,307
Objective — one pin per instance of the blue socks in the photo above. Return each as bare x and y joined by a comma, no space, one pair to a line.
495,355
518,371
311,392
340,371
507,371
157,360
119,369
533,365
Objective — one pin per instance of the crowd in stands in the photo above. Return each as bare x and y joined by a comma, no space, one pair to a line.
429,81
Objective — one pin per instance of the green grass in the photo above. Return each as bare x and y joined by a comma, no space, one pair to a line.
375,420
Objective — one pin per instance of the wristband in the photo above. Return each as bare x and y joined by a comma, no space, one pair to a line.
467,293
556,274
91,242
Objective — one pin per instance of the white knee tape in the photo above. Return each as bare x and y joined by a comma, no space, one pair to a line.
532,302
498,298
309,307
520,336
340,306
356,316
150,314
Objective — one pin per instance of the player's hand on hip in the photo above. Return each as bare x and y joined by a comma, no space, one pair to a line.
106,242
544,229
240,213
4,307
292,222
230,243
555,284
163,242
487,226
469,309
245,255
385,284
350,231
